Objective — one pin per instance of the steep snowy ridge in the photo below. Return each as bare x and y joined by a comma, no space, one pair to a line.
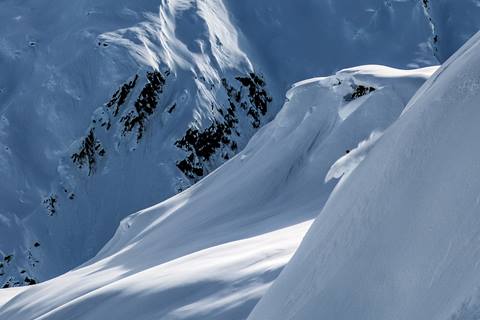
212,251
398,239
110,132
108,107
108,135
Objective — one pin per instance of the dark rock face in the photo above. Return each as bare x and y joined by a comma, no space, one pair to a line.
8,258
145,104
120,96
50,204
90,149
202,145
13,281
435,38
172,108
219,138
134,120
257,96
249,95
29,281
359,91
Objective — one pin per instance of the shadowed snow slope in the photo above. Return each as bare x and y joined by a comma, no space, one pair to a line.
212,251
111,106
399,238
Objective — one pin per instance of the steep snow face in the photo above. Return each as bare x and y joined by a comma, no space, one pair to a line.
399,238
114,106
109,107
212,251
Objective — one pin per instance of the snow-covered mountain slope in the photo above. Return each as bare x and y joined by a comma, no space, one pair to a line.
107,107
90,134
212,251
399,238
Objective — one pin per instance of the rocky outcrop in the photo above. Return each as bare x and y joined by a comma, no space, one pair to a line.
145,105
358,91
90,149
219,139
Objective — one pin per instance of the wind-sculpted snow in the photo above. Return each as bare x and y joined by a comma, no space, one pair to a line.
96,98
399,238
349,162
212,251
102,93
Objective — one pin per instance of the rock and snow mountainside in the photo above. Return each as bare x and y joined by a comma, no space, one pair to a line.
399,238
108,107
212,251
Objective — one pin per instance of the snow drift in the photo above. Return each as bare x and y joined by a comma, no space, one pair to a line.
399,238
108,107
212,251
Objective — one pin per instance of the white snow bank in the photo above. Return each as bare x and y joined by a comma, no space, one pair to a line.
399,239
213,250
61,62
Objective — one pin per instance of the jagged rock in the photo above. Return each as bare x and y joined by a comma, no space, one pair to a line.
51,204
359,91
203,145
172,108
121,95
87,155
145,104
29,281
11,282
259,99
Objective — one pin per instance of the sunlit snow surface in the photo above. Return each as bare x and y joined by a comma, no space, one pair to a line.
399,238
61,62
212,251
